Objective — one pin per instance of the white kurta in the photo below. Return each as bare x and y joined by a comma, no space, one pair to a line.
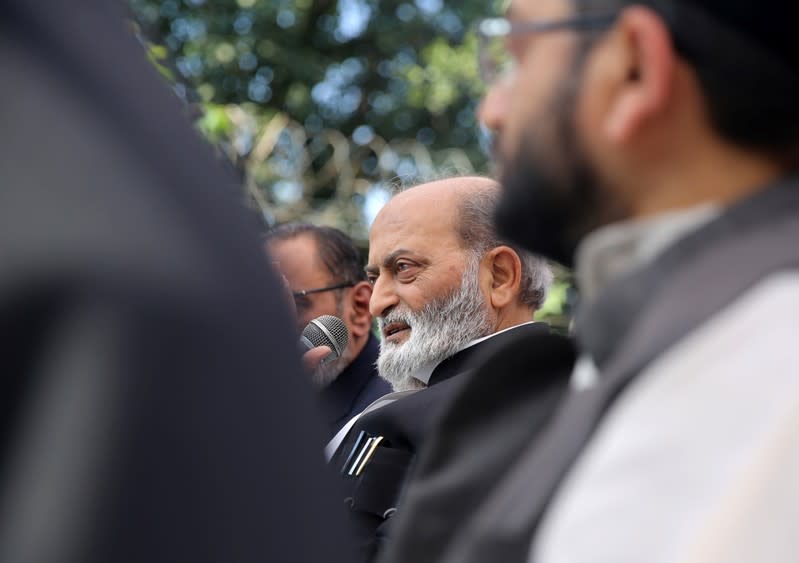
698,460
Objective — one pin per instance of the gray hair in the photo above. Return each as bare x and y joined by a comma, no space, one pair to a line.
477,232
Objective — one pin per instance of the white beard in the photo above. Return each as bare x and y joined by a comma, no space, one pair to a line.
438,331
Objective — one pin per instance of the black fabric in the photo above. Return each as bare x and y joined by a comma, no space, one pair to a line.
147,356
506,402
770,24
377,492
696,278
405,425
357,387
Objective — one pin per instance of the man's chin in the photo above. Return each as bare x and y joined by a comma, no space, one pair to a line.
326,374
517,218
394,366
537,212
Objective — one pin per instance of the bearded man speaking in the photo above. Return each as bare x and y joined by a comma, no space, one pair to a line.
445,288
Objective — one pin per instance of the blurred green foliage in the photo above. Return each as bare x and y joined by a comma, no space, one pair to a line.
396,69
215,123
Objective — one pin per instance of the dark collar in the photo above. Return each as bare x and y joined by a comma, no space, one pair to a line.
606,323
462,361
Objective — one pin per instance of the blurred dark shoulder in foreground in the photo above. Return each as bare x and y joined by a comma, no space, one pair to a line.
142,332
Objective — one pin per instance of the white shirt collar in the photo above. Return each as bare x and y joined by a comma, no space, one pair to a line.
423,374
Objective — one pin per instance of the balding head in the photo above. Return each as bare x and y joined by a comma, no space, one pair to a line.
441,277
448,191
433,207
466,206
415,249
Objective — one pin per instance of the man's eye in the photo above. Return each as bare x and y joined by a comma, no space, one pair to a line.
301,303
405,270
371,279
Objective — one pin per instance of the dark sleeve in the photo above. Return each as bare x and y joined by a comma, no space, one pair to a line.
503,406
151,404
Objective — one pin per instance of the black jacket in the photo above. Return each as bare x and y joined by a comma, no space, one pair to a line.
496,412
147,354
403,426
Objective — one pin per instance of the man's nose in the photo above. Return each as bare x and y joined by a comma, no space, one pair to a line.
383,298
491,112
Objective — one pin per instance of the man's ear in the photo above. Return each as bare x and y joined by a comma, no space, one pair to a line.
503,270
642,45
359,318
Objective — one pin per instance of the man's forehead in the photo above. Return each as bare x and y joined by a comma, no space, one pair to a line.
424,221
423,205
300,252
304,243
416,224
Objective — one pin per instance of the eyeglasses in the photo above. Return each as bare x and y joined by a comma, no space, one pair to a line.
304,292
494,59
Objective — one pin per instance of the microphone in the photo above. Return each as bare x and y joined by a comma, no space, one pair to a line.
326,330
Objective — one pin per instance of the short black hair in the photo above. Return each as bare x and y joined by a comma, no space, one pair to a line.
751,92
336,250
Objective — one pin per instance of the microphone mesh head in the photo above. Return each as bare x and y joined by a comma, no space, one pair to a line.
328,330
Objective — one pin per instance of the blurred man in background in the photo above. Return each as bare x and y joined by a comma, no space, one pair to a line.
655,147
325,274
445,290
